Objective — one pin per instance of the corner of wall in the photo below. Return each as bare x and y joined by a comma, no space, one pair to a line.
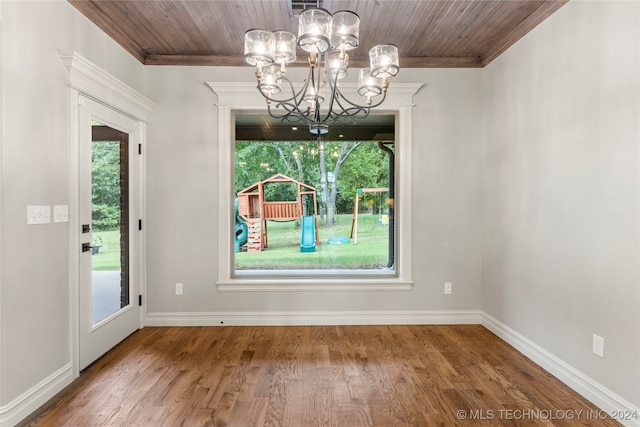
2,38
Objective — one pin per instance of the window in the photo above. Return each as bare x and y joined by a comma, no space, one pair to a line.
291,199
304,203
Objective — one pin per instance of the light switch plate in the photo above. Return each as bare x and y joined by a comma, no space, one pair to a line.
38,214
61,213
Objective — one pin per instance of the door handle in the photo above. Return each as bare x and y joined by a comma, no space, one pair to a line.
86,247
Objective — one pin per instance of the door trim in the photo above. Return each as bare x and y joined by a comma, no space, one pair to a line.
85,79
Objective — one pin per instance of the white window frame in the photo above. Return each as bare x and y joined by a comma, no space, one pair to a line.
244,97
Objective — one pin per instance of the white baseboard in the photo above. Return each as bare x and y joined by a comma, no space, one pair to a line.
21,407
591,390
436,317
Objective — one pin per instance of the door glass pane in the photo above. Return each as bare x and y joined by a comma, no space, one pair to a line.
109,191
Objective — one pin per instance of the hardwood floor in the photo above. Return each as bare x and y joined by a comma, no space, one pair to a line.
317,376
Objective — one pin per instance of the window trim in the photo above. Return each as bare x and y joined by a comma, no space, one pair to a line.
243,97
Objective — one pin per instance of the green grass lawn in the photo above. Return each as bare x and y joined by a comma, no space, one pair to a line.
283,252
108,256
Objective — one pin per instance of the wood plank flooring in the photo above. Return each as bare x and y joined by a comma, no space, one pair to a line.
349,376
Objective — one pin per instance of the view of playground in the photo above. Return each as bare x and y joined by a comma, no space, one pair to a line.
335,214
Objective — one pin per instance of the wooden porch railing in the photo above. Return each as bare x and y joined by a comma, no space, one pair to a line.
281,210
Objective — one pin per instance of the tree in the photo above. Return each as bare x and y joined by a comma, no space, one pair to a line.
105,185
319,164
368,166
257,160
329,185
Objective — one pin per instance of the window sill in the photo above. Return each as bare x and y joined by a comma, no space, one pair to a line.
314,285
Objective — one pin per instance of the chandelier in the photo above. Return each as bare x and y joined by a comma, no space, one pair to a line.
327,38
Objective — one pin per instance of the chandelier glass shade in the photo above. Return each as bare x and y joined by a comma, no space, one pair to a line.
318,101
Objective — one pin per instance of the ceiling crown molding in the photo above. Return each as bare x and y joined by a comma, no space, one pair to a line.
245,94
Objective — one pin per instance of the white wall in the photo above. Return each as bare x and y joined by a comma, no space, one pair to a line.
545,139
34,293
182,199
561,185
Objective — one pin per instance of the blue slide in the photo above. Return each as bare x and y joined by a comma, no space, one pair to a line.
308,239
241,234
241,231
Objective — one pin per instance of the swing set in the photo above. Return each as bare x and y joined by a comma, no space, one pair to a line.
383,219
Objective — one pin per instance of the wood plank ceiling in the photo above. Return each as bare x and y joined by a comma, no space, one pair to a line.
428,33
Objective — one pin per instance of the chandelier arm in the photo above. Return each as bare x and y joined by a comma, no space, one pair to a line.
294,96
355,104
299,96
342,106
292,105
352,114
293,113
333,87
282,116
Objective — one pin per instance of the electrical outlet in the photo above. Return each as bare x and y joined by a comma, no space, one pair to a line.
598,345
179,288
448,288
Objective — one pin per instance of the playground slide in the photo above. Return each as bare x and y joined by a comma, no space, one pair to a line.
241,231
308,239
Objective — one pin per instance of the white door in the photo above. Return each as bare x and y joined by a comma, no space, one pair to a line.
108,215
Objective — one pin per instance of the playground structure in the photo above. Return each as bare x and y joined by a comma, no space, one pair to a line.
384,219
255,211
